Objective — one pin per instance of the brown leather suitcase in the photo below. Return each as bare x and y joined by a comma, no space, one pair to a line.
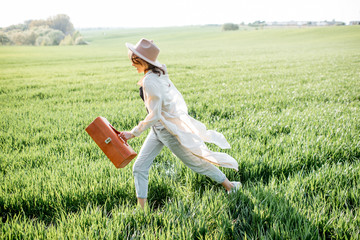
106,137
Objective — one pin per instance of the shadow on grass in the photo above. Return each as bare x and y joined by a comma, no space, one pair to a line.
261,171
159,193
48,209
263,214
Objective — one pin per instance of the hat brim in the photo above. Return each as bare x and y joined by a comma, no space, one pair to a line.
131,47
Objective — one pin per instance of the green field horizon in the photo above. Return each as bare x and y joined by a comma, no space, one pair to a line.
287,100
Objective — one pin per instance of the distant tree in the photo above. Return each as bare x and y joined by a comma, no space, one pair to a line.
230,27
43,41
18,38
67,40
20,27
55,36
38,23
257,24
30,37
27,23
57,30
75,35
42,31
61,22
80,41
4,39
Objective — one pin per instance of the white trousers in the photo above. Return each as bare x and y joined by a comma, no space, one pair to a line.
157,138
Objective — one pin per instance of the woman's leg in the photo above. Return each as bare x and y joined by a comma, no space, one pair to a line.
227,184
150,149
142,202
193,162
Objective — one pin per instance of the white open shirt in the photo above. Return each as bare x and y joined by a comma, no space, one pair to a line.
166,104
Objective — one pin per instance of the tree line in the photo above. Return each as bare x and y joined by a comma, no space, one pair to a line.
56,30
262,24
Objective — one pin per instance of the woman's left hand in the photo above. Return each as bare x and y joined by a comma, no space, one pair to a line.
126,135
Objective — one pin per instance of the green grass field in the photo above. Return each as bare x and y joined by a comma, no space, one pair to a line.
287,100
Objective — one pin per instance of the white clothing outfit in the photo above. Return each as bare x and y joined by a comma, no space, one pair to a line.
157,138
174,128
166,104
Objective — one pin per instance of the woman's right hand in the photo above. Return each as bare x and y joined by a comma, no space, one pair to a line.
126,135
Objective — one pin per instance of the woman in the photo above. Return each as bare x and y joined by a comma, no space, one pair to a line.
171,126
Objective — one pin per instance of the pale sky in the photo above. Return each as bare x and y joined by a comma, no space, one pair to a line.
160,13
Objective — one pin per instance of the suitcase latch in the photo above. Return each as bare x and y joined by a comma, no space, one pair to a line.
108,140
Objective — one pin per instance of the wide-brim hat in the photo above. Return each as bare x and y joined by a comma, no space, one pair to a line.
146,50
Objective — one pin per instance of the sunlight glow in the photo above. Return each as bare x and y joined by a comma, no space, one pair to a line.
160,13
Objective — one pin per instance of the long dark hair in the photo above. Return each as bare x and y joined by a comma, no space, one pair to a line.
136,60
155,69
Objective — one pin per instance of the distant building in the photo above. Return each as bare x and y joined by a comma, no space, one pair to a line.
305,23
354,23
322,23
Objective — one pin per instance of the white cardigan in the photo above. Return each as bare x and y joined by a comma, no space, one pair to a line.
166,104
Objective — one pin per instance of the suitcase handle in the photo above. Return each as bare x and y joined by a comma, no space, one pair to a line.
117,132
124,141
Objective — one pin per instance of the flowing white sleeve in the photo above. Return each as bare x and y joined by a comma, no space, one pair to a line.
153,103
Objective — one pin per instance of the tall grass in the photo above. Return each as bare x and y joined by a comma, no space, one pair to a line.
287,100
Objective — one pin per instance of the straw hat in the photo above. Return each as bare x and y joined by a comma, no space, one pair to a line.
146,50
